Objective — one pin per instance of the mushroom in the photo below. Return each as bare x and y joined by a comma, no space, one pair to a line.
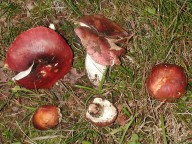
40,56
99,35
46,117
103,26
167,82
101,112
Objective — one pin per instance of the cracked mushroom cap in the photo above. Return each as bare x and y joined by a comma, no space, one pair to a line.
102,50
101,112
42,55
103,26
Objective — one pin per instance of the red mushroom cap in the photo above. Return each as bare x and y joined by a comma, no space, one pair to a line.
51,55
101,50
103,26
166,82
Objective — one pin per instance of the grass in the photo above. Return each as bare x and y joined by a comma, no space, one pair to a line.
163,33
163,130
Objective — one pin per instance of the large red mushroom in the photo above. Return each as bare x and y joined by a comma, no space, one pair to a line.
40,56
167,82
101,49
99,36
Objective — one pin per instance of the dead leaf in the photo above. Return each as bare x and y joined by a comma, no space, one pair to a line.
4,91
1,64
121,118
3,76
73,76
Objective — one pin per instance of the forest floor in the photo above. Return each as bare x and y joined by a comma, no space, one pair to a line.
163,34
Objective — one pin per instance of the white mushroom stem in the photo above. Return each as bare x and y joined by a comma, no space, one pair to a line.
101,112
94,70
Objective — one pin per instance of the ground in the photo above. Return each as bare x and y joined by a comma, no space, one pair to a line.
163,34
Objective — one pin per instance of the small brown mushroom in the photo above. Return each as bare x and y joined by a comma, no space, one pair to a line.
46,117
101,112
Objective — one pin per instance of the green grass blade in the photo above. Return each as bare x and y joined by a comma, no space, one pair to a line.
71,4
85,87
126,128
103,80
163,130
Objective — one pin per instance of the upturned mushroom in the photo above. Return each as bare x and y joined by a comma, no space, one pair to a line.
101,112
167,82
40,56
99,35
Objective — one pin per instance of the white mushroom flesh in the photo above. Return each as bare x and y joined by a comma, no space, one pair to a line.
23,73
83,24
52,26
108,114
